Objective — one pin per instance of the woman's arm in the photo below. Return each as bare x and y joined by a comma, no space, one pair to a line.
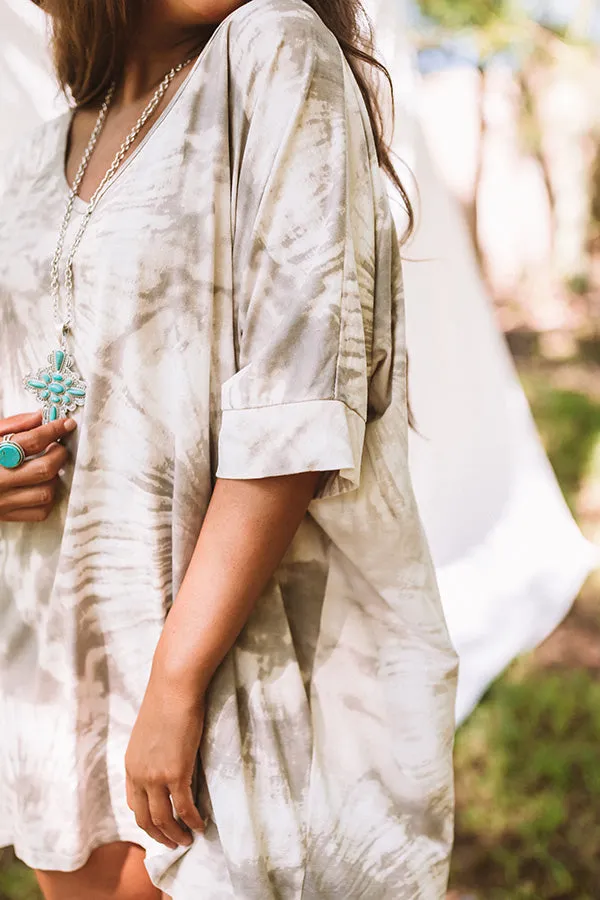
248,527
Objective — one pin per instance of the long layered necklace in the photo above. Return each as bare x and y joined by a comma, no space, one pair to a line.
58,386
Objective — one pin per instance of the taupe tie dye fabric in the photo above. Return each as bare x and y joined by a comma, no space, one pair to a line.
239,314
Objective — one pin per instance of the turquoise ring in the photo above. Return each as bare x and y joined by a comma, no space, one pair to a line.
12,454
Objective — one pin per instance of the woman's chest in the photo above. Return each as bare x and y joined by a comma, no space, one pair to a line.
150,264
147,253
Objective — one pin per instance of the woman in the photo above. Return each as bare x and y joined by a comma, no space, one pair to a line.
220,604
500,595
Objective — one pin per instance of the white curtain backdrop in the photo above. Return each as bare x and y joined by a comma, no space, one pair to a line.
28,92
509,557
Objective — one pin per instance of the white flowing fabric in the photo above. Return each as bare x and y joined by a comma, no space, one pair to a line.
509,557
28,92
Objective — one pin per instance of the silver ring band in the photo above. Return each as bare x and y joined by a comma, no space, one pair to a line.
12,454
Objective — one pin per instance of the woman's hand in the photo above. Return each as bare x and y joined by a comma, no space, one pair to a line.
246,532
27,493
160,761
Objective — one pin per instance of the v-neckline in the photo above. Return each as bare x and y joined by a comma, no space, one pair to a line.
80,205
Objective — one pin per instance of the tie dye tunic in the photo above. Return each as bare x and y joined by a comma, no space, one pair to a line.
239,314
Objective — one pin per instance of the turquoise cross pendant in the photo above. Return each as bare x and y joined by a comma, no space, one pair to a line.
57,386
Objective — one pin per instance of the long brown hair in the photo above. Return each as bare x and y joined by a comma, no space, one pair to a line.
91,37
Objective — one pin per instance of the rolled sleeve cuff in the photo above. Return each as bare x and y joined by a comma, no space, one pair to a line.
290,438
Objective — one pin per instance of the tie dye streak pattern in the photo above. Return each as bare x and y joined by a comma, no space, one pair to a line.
239,314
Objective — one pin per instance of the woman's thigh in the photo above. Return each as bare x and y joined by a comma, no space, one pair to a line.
112,872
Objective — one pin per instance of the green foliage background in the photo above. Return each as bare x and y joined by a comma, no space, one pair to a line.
465,14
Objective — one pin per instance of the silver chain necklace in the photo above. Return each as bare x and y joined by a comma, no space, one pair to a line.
57,386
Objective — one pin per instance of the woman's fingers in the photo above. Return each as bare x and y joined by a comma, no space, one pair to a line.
22,422
42,469
186,809
38,439
28,498
154,814
137,800
38,514
34,471
27,492
161,813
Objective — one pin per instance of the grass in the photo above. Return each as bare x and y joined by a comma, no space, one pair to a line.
527,761
16,882
569,422
528,788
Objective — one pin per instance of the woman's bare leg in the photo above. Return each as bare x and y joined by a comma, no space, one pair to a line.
113,872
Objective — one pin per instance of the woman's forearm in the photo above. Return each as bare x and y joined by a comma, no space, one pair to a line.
247,530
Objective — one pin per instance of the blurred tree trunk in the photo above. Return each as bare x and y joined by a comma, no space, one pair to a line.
526,80
472,209
566,113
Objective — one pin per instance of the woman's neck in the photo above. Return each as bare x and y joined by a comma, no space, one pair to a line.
152,57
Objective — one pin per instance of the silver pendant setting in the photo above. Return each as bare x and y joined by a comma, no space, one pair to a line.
57,387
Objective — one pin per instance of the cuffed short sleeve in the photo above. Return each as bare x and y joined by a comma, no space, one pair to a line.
303,261
309,436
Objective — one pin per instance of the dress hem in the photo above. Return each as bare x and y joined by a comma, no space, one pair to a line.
56,863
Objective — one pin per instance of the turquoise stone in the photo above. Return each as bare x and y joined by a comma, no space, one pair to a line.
10,456
56,386
59,359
